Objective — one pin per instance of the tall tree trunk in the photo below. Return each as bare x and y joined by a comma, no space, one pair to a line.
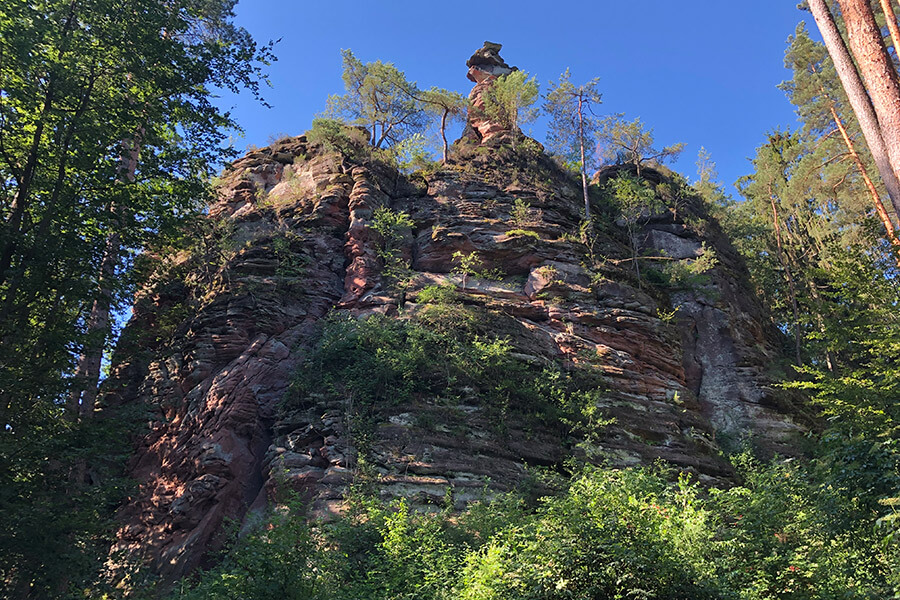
444,135
859,99
877,69
891,20
879,206
584,185
87,372
790,279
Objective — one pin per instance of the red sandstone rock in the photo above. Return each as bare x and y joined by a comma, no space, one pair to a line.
217,449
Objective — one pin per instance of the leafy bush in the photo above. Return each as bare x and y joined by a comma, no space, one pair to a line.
438,294
337,136
609,534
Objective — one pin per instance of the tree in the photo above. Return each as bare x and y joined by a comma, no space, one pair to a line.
108,137
819,99
877,70
624,142
572,123
447,106
637,201
509,99
380,97
858,98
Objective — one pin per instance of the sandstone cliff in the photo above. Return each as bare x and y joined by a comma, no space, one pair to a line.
223,332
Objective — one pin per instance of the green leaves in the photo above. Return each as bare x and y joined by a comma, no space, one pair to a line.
509,100
378,97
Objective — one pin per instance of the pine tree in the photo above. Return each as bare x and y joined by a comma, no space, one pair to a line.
819,99
509,100
631,143
379,97
572,124
448,106
858,99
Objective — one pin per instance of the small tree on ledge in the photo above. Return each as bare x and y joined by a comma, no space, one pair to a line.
508,101
630,143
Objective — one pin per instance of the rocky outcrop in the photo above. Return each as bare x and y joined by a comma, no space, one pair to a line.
221,331
485,66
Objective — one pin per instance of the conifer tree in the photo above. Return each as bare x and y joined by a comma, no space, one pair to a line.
631,143
819,99
448,106
509,100
572,124
379,97
859,99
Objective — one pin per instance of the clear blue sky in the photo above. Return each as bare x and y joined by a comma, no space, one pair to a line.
701,72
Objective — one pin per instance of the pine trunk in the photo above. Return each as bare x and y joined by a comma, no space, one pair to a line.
584,185
891,20
444,135
879,206
87,372
859,99
878,73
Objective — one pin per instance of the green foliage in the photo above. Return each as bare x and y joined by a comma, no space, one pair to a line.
509,99
378,97
334,135
632,533
466,265
393,226
274,561
109,137
449,107
379,362
411,154
572,121
623,142
58,494
636,201
522,215
438,294
689,273
524,233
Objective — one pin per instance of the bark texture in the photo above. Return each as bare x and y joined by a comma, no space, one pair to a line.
859,99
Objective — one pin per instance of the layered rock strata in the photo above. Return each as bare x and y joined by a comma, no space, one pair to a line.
220,333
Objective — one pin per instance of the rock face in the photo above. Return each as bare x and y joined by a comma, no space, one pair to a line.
680,365
485,66
221,331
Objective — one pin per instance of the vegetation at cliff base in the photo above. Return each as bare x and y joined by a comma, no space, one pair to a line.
370,264
606,533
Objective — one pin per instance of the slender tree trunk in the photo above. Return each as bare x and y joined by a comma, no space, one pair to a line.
584,185
87,373
877,69
879,206
790,278
444,135
859,99
891,19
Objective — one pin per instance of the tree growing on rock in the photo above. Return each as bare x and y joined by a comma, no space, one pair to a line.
636,201
448,107
626,142
572,123
510,100
379,97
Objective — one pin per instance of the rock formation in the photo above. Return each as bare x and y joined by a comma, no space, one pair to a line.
485,66
220,332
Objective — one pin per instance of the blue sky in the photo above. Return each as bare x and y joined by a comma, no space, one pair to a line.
701,72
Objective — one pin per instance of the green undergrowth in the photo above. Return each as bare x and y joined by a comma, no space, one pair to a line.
446,354
607,534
